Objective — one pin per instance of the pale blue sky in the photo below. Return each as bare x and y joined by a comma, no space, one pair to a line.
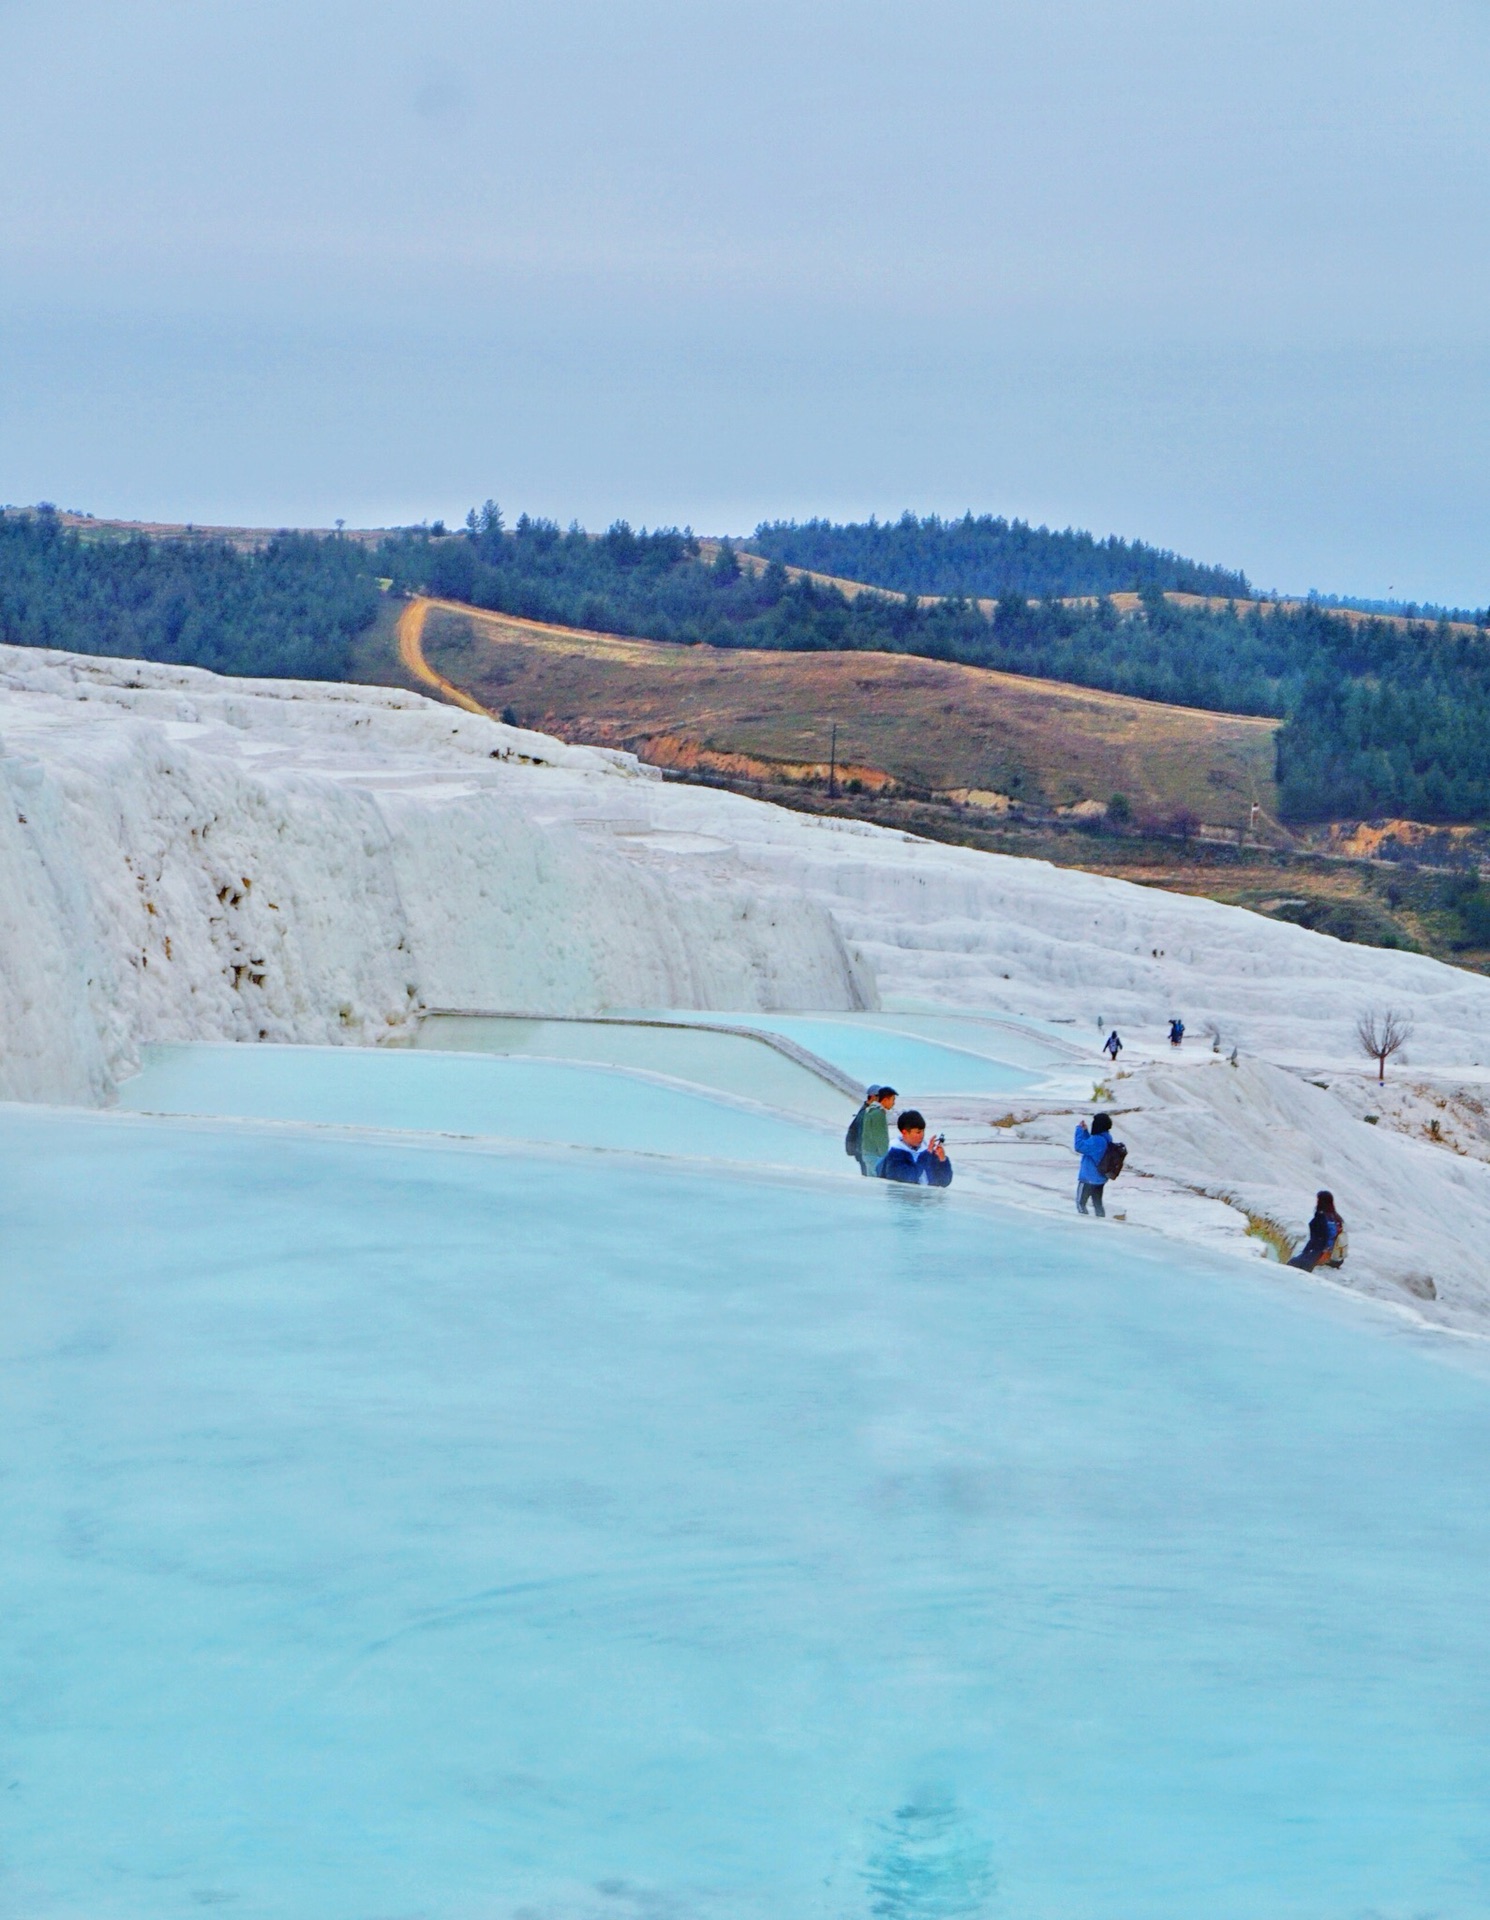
1213,274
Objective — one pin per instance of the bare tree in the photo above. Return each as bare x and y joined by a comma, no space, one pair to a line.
1381,1033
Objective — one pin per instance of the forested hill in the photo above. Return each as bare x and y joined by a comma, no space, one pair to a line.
985,557
1379,717
289,609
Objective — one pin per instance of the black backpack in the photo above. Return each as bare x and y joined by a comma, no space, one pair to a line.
1114,1156
855,1135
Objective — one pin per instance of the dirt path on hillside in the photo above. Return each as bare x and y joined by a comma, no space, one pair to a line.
411,655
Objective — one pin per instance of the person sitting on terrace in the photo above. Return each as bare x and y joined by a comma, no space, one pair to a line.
1326,1234
917,1161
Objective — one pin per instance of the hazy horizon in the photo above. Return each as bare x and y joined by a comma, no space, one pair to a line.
1213,278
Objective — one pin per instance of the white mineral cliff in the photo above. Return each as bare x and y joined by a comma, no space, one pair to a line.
184,857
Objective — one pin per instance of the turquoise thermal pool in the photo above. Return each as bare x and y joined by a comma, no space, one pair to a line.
731,1063
400,1526
921,1056
548,1102
891,1048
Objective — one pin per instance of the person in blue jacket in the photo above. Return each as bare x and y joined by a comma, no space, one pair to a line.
916,1162
1324,1235
1091,1143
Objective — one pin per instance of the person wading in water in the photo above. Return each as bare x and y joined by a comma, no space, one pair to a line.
868,1137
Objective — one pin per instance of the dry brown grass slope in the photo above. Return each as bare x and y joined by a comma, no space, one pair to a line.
919,725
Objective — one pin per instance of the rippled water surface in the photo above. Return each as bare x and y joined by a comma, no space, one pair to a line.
408,1529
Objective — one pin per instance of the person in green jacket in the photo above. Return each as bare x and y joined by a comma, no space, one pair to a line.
874,1133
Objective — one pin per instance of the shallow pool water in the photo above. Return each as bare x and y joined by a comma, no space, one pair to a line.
872,1049
408,1528
1000,1037
553,1102
732,1063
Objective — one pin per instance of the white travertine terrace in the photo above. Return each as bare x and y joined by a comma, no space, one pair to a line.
185,857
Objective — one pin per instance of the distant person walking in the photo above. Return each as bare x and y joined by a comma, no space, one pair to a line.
1102,1160
868,1136
1112,1046
1176,1032
1326,1243
917,1161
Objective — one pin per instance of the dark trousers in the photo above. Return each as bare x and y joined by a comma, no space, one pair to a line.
1086,1190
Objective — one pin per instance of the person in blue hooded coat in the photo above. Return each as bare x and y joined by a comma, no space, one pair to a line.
916,1162
1091,1143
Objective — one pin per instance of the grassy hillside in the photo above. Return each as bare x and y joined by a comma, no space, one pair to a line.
1380,715
926,728
907,728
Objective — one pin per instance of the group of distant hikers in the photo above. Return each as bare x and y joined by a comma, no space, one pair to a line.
919,1162
1112,1046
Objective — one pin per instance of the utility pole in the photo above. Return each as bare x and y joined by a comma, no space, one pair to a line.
833,765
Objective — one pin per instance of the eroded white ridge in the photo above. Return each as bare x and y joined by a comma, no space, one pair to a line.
186,857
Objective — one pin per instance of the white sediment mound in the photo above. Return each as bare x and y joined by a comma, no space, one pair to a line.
185,857
1418,1214
1220,1153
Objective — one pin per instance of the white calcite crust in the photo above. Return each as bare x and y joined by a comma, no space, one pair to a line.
186,857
